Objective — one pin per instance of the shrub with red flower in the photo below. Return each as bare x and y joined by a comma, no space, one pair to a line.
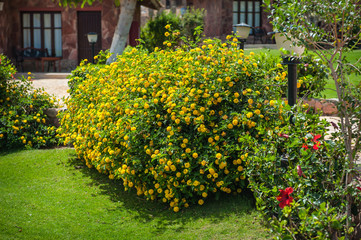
316,143
284,198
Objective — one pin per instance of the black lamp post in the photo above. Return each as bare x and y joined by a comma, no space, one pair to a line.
92,38
242,30
291,62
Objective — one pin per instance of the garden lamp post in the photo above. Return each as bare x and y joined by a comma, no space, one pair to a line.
242,30
291,62
92,38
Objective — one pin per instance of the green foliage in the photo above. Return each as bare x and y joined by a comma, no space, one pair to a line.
314,74
185,29
192,19
167,123
22,118
74,3
311,74
153,34
301,157
329,30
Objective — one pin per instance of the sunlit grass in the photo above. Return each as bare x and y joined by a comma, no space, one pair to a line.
330,90
48,194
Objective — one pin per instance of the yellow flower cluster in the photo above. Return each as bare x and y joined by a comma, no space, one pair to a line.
168,123
22,119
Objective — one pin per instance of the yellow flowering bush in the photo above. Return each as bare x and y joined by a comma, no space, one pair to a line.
168,122
22,119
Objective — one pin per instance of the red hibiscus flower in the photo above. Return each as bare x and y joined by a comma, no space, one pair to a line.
284,198
316,144
315,138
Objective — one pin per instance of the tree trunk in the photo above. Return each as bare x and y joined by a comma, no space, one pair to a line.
122,29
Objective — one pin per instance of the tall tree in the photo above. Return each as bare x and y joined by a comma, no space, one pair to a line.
123,26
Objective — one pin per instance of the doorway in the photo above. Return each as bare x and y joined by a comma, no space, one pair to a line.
88,21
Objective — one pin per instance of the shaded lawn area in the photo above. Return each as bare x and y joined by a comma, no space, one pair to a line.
329,91
48,194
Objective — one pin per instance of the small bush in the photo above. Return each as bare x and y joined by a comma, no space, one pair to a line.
313,75
153,34
190,21
298,180
168,122
186,29
22,118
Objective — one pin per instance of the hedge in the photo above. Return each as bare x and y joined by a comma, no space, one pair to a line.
168,122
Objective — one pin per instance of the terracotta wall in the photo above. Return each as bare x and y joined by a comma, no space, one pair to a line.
5,29
10,26
219,17
218,21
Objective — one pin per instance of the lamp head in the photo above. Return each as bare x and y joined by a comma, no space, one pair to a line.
242,30
92,37
283,42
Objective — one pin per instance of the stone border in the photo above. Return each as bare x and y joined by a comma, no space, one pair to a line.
326,106
52,115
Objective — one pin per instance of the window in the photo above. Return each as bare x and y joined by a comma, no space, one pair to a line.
247,12
42,30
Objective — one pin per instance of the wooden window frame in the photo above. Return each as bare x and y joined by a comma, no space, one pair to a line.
42,29
238,12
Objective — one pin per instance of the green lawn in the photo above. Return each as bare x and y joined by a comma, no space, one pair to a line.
48,194
329,91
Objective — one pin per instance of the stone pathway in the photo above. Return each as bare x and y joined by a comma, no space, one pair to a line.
53,83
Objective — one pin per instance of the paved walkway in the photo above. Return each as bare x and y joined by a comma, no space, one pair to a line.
53,83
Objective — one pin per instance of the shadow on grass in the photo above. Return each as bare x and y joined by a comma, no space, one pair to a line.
10,151
213,210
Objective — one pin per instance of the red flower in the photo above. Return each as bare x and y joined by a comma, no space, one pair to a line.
316,144
284,198
315,138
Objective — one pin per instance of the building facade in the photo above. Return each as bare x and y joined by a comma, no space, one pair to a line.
43,24
223,14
